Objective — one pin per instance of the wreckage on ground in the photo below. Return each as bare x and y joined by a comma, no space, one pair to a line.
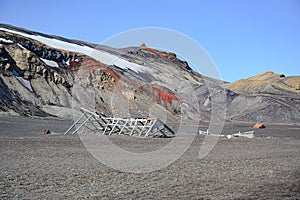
247,134
98,123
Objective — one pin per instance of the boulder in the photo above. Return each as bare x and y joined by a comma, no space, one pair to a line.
46,132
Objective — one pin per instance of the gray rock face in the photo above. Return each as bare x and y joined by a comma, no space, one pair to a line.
62,81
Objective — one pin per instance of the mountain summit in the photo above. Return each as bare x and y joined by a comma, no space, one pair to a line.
46,75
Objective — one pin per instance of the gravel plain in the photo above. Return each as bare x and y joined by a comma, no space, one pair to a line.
56,166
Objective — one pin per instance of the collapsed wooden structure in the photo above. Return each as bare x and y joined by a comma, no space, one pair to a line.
95,122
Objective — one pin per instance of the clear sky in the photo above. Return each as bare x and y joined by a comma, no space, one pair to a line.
243,37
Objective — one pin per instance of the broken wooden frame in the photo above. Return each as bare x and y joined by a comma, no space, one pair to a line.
99,123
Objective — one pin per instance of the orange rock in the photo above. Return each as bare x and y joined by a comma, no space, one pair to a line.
167,55
164,96
259,125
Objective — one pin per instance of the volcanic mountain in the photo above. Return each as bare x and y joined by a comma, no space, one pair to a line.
44,75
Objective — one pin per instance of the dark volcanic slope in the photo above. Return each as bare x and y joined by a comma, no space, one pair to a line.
49,75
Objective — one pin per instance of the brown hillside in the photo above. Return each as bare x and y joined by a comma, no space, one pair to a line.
267,82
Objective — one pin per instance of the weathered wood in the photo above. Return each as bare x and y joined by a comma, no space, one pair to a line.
144,127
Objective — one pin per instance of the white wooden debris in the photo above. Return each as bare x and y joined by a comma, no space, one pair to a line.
94,122
248,134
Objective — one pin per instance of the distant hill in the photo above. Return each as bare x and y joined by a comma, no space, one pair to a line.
46,75
266,97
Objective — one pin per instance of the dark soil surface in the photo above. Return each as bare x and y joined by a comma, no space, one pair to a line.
56,166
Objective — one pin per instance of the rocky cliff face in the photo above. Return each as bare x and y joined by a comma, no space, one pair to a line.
62,79
47,75
51,85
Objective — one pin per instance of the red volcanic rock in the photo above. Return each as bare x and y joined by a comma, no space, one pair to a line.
161,53
165,97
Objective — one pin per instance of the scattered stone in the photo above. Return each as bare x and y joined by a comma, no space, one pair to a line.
46,132
281,75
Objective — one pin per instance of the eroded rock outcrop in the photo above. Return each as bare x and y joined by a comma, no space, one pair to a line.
47,82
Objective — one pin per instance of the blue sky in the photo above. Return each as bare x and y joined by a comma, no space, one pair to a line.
243,38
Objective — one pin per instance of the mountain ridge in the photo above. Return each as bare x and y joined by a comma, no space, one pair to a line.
133,78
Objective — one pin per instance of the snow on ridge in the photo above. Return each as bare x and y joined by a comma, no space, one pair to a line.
23,48
101,56
5,40
50,63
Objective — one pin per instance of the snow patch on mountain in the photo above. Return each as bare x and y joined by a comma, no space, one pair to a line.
98,55
5,40
23,48
50,63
